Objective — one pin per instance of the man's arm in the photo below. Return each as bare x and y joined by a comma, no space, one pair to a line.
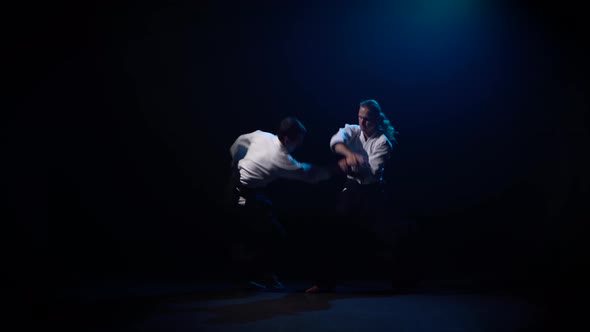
379,157
339,141
352,159
290,168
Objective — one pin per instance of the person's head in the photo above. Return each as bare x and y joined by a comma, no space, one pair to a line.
291,133
372,120
369,116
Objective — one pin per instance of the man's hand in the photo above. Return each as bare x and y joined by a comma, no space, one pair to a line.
355,160
343,165
353,167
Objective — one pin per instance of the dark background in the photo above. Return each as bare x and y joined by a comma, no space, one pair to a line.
133,106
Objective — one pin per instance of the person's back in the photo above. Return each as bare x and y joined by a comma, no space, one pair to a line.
258,159
267,160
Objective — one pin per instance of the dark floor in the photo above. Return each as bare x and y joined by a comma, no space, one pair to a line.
355,305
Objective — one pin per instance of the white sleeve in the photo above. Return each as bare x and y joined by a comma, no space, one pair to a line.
294,170
344,135
378,157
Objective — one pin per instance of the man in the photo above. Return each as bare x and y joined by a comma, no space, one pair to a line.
365,149
258,159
